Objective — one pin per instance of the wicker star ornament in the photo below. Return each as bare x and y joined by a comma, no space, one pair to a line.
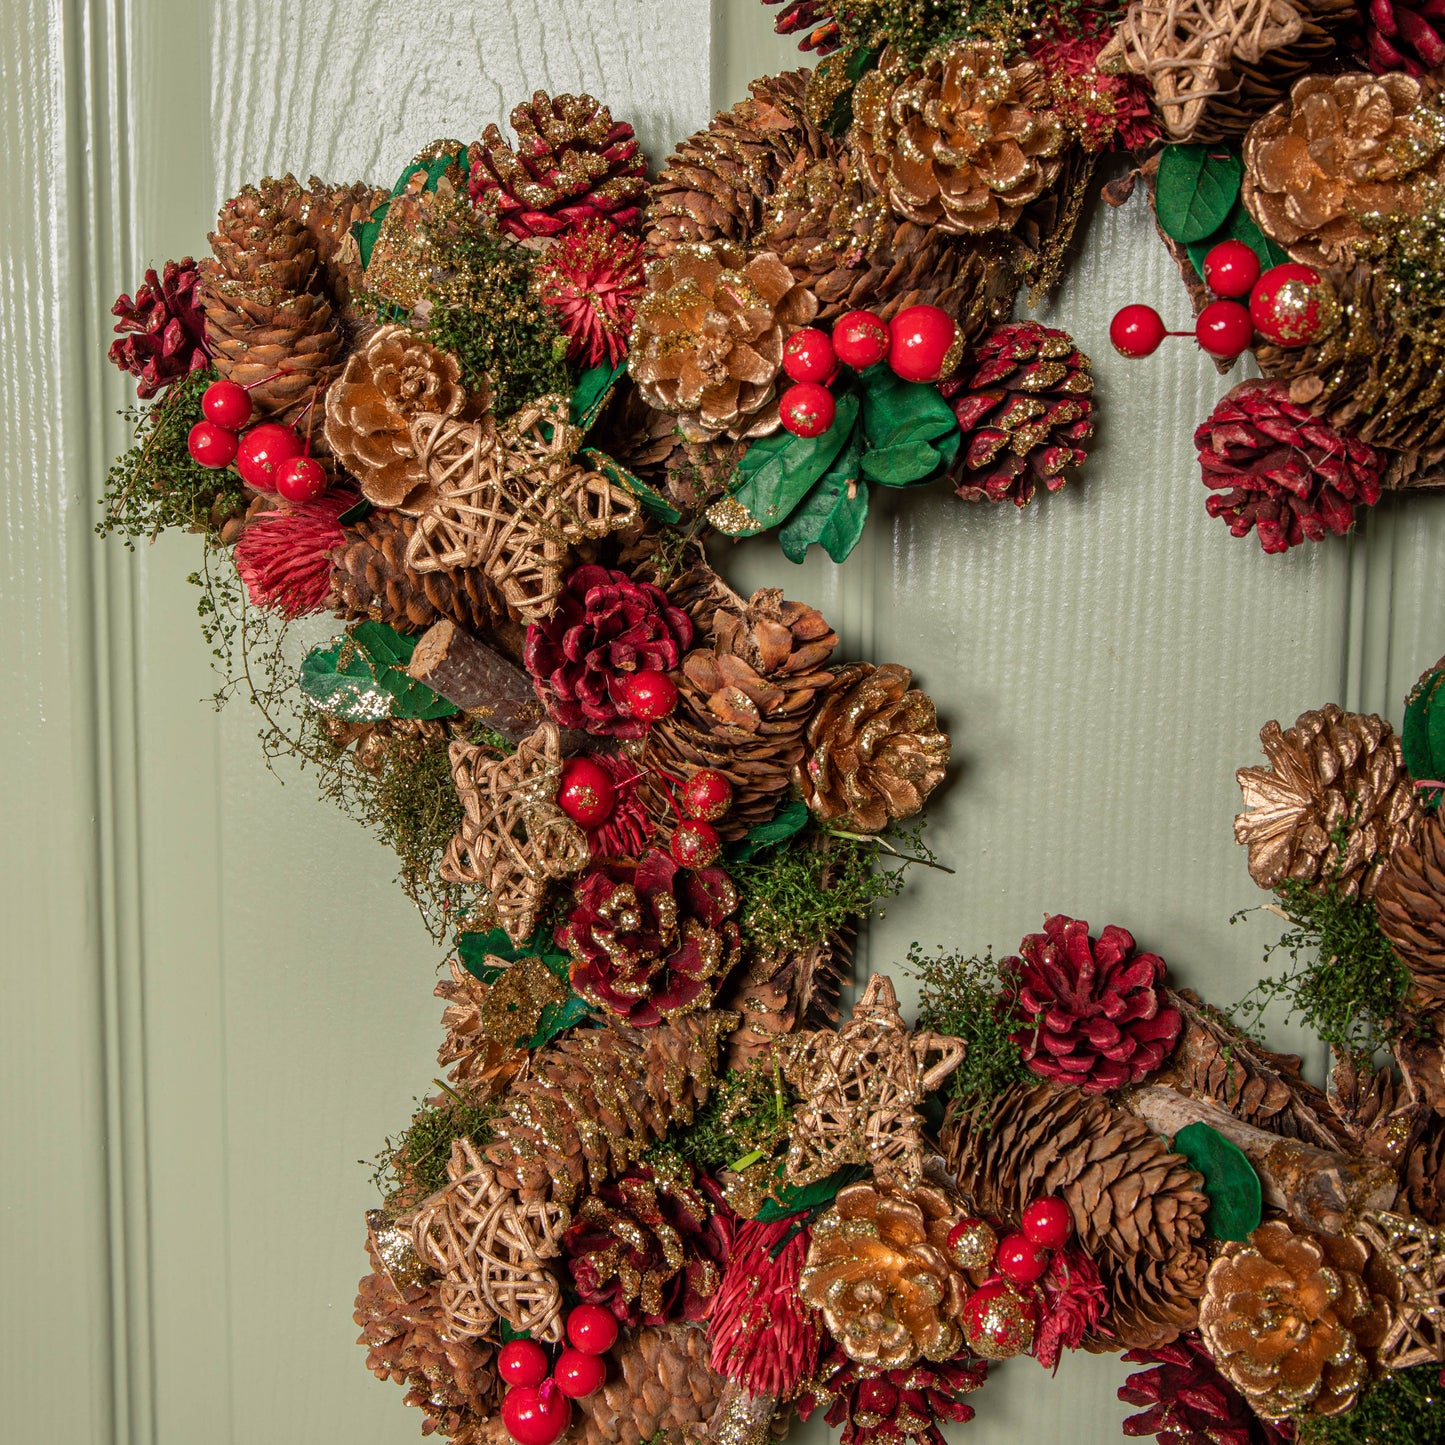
1414,1253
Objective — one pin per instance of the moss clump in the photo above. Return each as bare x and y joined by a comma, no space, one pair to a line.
747,1113
414,1164
1405,1408
914,27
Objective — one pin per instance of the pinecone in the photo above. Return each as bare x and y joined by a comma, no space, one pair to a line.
707,339
1400,36
161,331
1277,1317
659,1382
957,144
1342,147
1410,905
816,17
328,212
595,1100
1024,403
880,1272
743,705
782,989
1424,1173
1334,777
875,751
1279,470
573,163
1138,1209
480,1065
893,1407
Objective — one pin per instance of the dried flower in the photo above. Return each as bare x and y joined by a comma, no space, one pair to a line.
284,557
590,280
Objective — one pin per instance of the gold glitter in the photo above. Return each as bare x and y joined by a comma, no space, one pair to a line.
732,518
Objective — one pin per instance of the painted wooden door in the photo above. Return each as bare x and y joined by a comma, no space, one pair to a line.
215,1001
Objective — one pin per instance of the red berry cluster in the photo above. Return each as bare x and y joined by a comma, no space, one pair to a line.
915,344
270,457
537,1407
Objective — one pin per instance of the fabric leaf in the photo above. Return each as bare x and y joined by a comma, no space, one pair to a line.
362,678
1235,1197
790,819
593,388
813,1198
653,502
1195,190
1422,738
1239,226
833,513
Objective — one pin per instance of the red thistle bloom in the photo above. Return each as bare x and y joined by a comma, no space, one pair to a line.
624,832
284,557
162,330
1075,1301
590,280
763,1335
1103,110
897,1407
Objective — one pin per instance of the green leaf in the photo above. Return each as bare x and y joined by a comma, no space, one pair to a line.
904,464
1239,226
1195,189
368,230
362,677
557,1018
833,513
897,411
590,395
356,512
474,948
1235,1197
789,820
1422,738
794,1199
653,503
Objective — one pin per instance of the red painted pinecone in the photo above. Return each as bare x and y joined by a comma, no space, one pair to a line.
1396,36
605,628
161,334
1276,468
897,1407
573,163
815,17
1188,1402
1024,403
651,941
1097,1010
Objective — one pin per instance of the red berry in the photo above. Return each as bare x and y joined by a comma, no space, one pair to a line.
1293,304
650,695
998,1321
1231,268
592,1329
522,1362
695,844
920,340
1137,331
262,451
1224,329
302,479
211,445
1048,1222
808,409
227,403
861,339
536,1414
1020,1260
579,1375
808,355
707,795
585,792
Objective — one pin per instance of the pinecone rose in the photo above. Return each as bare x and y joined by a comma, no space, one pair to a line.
707,339
1024,403
1398,36
1099,1014
605,628
573,163
1279,470
590,281
956,144
895,1407
815,18
875,751
162,329
650,941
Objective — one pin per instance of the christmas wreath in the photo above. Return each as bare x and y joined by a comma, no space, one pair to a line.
672,1189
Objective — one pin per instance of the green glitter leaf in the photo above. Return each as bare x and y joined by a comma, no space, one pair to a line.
1195,190
1422,738
474,949
653,503
1236,1200
362,677
591,393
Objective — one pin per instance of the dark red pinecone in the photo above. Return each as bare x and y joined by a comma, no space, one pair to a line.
1281,471
897,1407
1188,1402
1402,37
647,1247
1098,1013
605,628
813,16
1024,403
162,329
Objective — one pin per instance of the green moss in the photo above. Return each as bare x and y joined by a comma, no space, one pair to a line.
748,1113
414,1164
915,26
1405,1408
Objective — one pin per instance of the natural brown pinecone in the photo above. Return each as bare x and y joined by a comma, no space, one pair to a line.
1333,777
1410,904
778,990
594,1101
958,144
328,212
875,751
659,1381
743,704
1139,1209
880,1271
1424,1173
480,1065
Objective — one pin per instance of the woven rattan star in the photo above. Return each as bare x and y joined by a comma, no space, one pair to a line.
1415,1254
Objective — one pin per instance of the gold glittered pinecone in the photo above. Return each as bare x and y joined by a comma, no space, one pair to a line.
480,1064
1410,905
1139,1210
659,1382
880,1272
328,212
1278,1316
1332,806
875,750
743,705
707,339
594,1101
958,143
1342,147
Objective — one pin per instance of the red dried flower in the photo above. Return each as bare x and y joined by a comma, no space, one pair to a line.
897,1407
1099,1013
1102,110
813,16
162,329
590,280
650,941
763,1335
605,627
284,557
1281,471
1404,37
1075,1302
623,834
